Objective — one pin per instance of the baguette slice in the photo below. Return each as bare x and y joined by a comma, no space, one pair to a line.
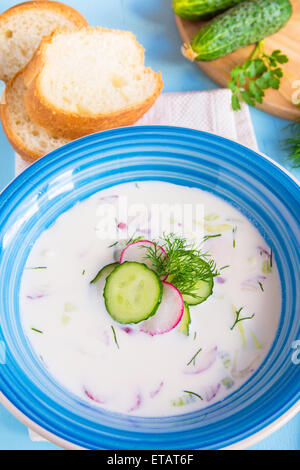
28,139
22,28
86,80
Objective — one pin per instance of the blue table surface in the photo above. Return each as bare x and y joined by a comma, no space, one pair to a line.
153,23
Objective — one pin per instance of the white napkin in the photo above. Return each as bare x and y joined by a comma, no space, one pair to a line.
208,111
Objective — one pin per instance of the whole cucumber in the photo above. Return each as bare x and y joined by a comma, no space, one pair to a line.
197,9
244,24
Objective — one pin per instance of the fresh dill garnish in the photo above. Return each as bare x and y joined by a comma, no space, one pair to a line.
224,267
261,286
115,337
193,393
194,357
37,331
238,319
207,237
38,267
292,145
183,261
133,239
271,258
83,272
195,335
233,236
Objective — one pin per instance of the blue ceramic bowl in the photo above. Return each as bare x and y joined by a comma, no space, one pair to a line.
260,189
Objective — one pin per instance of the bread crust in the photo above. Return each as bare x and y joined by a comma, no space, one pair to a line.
71,125
16,143
43,5
27,153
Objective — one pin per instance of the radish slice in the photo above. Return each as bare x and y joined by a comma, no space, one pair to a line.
203,362
211,392
157,390
168,314
137,252
137,403
92,397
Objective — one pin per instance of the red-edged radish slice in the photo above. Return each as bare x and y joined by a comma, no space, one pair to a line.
137,252
168,314
203,362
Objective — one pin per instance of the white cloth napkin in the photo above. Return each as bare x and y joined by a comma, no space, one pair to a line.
208,111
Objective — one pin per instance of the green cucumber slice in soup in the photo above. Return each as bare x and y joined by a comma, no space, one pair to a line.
184,324
104,272
132,293
200,292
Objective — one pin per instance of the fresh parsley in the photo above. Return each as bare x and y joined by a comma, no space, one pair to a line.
258,73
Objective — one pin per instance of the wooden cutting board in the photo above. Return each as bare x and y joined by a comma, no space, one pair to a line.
277,102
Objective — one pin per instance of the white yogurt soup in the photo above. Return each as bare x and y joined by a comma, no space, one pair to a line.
184,315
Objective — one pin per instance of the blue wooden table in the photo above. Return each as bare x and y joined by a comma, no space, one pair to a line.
153,23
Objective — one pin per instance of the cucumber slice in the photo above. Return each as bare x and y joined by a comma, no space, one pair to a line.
201,290
185,321
132,293
104,272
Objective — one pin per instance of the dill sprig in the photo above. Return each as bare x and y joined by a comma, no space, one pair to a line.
194,357
238,319
292,145
207,237
115,337
234,230
113,244
37,331
261,286
38,267
193,393
184,262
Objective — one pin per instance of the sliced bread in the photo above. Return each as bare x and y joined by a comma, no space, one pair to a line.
28,139
22,28
90,79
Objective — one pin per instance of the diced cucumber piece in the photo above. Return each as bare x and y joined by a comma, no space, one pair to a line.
132,292
185,321
201,291
104,272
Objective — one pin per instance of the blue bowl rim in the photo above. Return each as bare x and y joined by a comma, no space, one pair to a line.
38,165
